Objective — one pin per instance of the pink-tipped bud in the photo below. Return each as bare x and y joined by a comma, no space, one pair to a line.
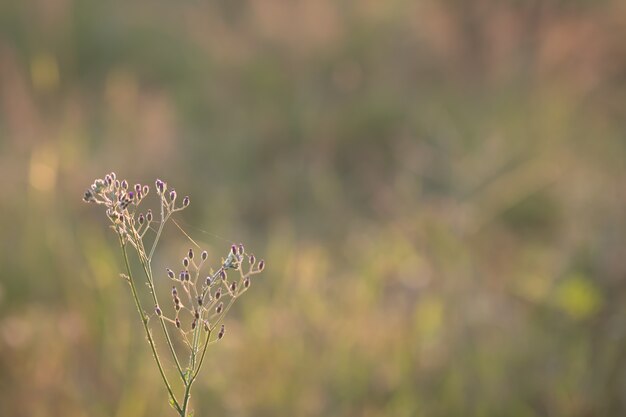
172,195
185,262
157,310
149,216
190,253
177,323
233,249
261,265
204,255
124,184
241,249
219,308
251,259
221,332
186,201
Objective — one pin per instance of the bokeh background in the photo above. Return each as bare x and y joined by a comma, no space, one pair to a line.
438,188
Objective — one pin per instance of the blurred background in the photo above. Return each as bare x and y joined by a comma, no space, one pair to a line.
437,188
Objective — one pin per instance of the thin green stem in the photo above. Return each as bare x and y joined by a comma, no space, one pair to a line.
144,321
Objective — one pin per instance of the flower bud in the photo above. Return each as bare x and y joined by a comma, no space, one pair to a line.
145,190
241,249
157,310
186,275
170,273
204,255
186,201
233,249
208,281
113,176
124,185
181,275
190,253
172,195
261,265
199,300
185,262
177,323
174,292
218,293
223,275
193,324
246,282
149,215
221,332
108,179
233,286
219,308
137,188
140,219
251,259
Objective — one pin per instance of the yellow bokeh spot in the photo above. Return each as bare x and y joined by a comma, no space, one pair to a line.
43,169
44,71
578,297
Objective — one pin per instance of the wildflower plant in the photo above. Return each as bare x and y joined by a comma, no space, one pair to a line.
200,296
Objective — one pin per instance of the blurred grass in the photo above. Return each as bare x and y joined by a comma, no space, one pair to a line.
438,189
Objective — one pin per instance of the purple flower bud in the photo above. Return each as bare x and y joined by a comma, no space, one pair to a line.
160,186
172,195
174,292
221,332
251,259
233,286
204,255
223,275
130,195
149,216
157,310
246,282
124,184
219,308
218,293
186,201
241,249
233,249
182,275
190,253
170,273
176,301
186,275
140,219
138,188
199,300
261,265
117,184
208,281
185,262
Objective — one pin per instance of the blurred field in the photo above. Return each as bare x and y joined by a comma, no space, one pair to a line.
438,187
